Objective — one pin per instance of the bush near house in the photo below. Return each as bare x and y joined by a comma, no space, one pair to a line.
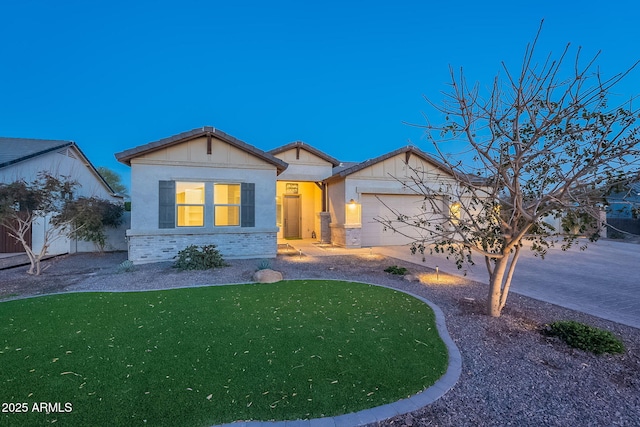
394,269
91,216
585,337
199,258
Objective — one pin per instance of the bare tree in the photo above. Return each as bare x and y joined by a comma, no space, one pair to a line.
544,142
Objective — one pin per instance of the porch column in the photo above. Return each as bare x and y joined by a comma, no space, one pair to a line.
325,230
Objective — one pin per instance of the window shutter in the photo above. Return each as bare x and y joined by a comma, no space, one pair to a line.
167,206
248,204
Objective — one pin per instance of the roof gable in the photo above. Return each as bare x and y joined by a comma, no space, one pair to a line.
16,150
299,145
408,151
206,131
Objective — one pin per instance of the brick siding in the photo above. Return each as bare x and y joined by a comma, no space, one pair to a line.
156,247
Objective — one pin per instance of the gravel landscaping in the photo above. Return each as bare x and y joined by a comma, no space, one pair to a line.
511,374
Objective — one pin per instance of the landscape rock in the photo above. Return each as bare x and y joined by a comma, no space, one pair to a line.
267,276
411,278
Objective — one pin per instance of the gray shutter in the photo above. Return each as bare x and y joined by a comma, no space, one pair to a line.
248,204
167,206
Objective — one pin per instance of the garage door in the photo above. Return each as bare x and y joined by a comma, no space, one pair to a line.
373,233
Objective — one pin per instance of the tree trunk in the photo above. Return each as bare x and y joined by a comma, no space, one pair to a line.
509,277
500,281
32,260
496,287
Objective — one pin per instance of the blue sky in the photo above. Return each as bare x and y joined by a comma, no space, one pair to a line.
342,76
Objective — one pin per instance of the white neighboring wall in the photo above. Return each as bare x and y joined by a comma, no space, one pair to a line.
66,162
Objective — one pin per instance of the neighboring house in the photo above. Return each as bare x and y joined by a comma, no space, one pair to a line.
24,159
207,187
623,211
624,203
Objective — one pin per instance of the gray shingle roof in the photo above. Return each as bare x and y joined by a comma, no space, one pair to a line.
14,150
126,156
409,149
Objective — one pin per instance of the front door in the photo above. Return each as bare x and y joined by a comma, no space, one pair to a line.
292,229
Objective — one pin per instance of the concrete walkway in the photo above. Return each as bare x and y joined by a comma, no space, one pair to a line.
11,260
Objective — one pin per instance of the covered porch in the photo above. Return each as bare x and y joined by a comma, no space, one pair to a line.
301,211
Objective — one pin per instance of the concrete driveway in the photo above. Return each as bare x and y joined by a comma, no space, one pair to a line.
602,281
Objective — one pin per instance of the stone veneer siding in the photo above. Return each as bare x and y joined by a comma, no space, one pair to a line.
325,227
156,246
348,236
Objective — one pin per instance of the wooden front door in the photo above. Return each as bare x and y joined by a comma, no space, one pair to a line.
292,219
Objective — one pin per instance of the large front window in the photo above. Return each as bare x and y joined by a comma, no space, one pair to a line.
190,204
226,204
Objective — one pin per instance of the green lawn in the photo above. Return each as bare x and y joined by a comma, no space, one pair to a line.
201,356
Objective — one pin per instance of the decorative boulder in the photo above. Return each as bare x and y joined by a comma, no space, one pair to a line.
411,278
267,276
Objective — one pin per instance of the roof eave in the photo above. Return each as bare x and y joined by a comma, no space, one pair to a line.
408,149
95,171
300,144
39,153
127,155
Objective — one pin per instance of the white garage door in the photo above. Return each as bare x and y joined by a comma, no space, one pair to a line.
373,233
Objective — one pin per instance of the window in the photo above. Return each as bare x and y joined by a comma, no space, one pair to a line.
454,210
226,205
190,204
182,204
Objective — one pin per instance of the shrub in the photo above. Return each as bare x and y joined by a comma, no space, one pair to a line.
264,265
199,258
91,216
394,269
585,337
126,267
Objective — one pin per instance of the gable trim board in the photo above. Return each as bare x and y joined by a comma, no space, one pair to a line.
299,145
206,131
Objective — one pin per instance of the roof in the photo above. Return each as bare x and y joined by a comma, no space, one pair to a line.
309,148
127,155
342,166
409,150
15,150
